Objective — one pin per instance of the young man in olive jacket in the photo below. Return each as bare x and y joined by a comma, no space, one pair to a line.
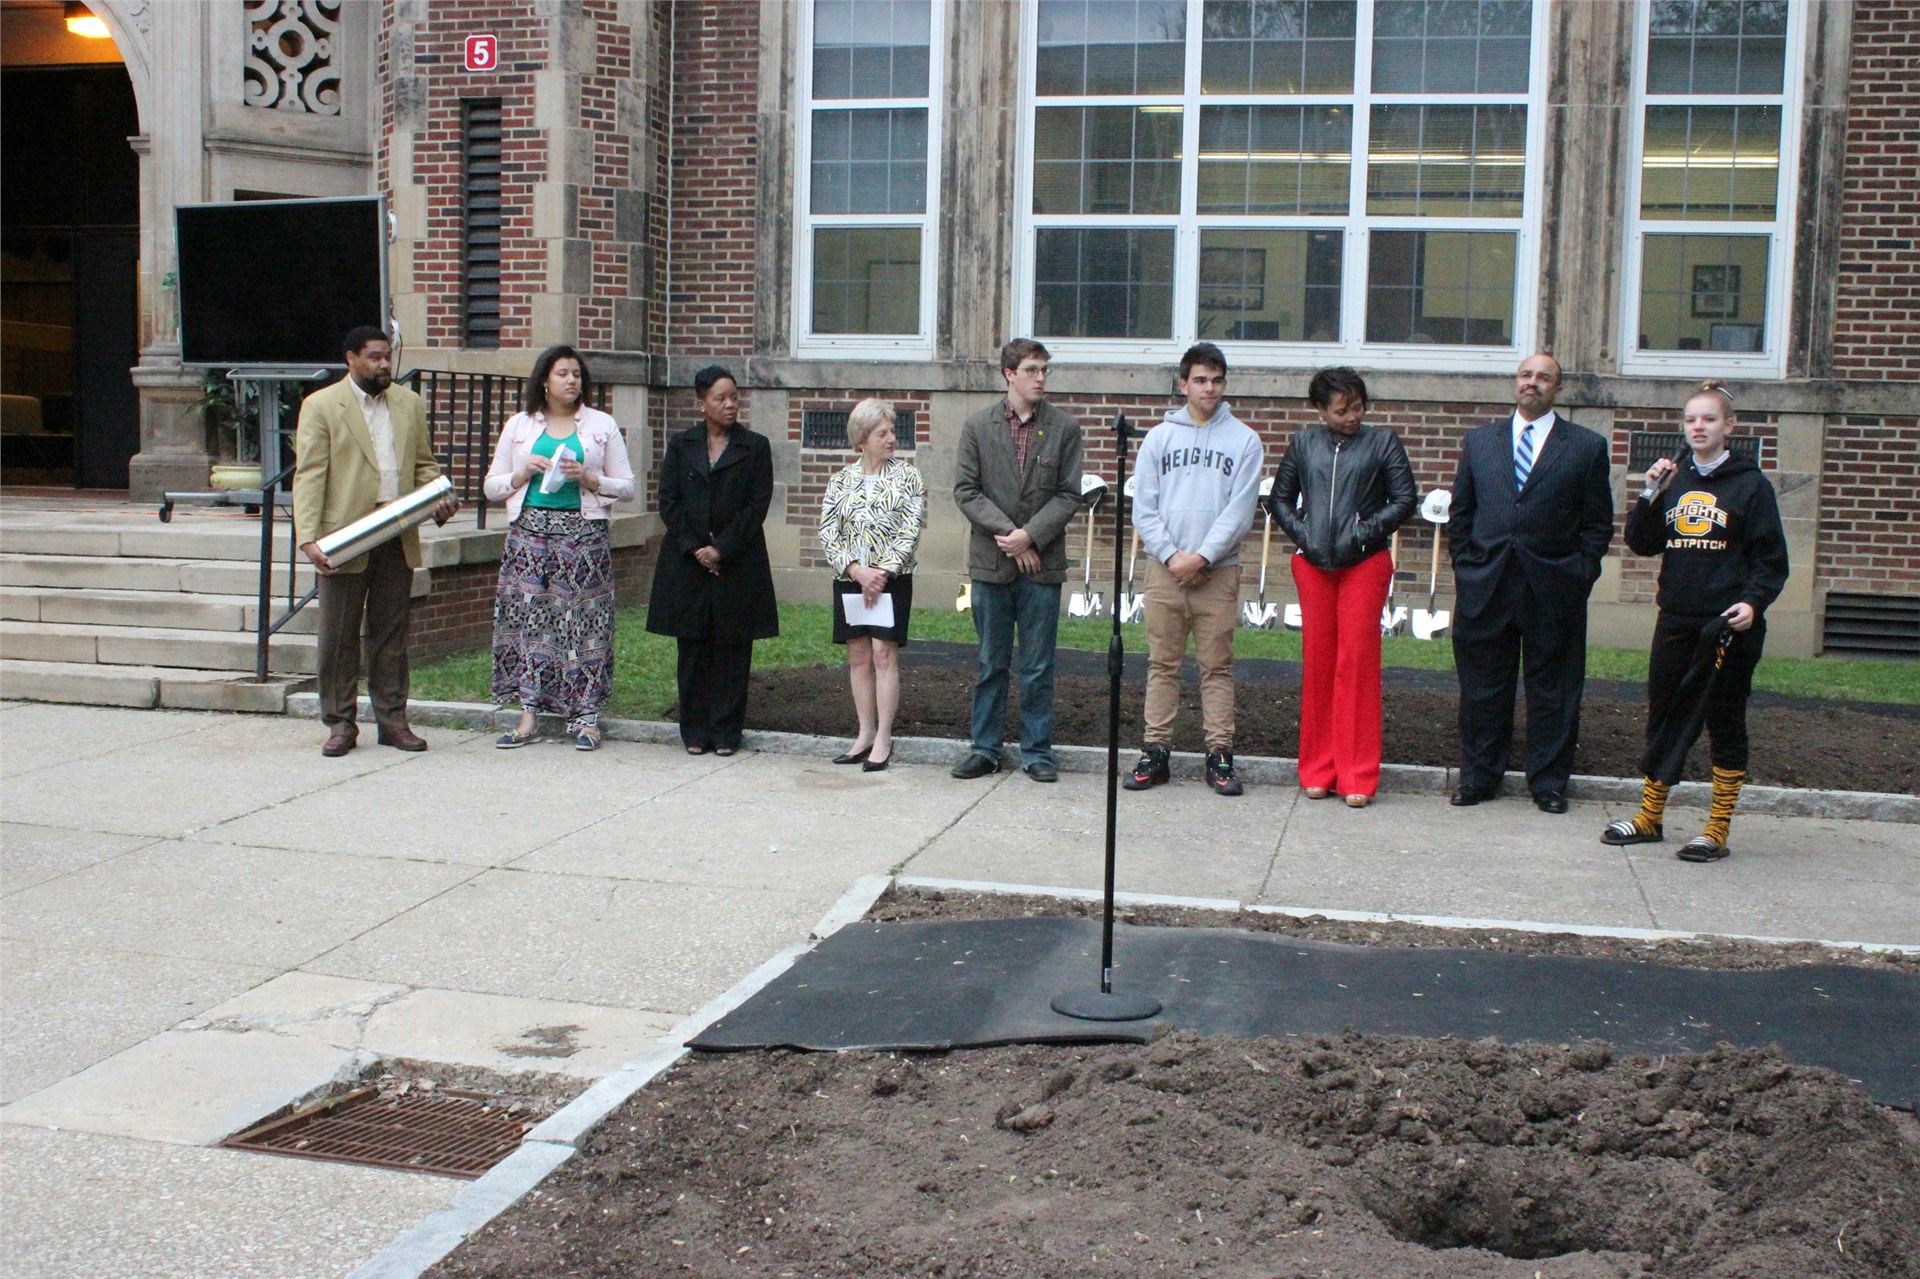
1017,480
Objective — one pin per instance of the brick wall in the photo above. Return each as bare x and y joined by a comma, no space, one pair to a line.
1877,317
1869,511
611,218
715,175
458,614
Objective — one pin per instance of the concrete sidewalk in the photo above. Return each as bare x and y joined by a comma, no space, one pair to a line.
204,919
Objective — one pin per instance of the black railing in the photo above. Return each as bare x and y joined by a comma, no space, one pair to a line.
265,628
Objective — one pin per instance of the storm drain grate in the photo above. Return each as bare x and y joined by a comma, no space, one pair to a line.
453,1133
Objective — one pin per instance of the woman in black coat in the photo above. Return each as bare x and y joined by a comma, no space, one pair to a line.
713,586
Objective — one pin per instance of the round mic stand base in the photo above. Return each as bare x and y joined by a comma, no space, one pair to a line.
1098,1005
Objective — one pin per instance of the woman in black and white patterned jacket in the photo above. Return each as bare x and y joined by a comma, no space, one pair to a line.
870,523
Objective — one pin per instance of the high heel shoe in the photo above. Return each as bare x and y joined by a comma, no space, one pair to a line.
877,765
853,757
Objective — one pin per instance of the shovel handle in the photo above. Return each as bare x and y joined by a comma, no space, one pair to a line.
1433,569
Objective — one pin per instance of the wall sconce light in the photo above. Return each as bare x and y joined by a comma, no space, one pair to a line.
81,22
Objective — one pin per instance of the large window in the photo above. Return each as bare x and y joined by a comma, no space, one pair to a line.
1716,101
1294,179
868,147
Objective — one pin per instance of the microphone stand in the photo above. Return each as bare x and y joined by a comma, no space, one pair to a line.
1105,1004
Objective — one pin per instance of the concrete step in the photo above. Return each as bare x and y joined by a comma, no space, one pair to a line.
139,573
176,611
231,538
143,686
294,654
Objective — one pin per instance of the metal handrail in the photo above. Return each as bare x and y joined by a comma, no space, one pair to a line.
265,630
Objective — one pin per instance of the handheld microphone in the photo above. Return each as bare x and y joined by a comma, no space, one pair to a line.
1652,490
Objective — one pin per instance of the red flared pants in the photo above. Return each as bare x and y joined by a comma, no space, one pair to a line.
1340,682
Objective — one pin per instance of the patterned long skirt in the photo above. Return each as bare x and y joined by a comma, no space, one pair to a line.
553,617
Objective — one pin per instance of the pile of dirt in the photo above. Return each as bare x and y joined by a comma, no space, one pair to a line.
1809,746
1349,1155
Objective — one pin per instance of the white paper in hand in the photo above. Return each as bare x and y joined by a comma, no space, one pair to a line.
858,614
551,479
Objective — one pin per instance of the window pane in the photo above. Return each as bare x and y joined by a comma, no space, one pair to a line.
1111,46
1712,164
1270,286
1277,46
1451,46
1447,161
1717,46
871,48
869,161
1703,293
866,280
1103,283
1275,159
1106,160
1452,288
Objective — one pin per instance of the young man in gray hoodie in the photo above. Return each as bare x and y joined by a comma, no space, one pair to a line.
1196,487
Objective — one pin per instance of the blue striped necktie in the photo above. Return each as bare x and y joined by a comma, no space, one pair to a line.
1523,457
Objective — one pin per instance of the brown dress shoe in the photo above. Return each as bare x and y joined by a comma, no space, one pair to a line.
403,739
339,742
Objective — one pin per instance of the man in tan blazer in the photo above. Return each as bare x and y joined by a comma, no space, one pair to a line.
363,442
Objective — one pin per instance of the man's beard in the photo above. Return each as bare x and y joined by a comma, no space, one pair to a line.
376,383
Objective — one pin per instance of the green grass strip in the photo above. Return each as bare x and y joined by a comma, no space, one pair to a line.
643,668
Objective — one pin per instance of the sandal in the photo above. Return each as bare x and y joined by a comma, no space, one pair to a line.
1626,831
587,740
696,750
1702,849
724,751
507,741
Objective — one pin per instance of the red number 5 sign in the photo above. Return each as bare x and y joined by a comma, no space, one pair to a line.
483,53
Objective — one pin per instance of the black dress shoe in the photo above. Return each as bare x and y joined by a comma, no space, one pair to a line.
1550,801
975,765
1468,796
1042,770
853,757
875,765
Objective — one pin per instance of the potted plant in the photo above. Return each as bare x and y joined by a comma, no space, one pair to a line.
229,408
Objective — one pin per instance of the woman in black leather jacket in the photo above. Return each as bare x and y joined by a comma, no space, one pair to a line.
1341,491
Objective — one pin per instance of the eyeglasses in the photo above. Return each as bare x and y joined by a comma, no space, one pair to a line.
1028,370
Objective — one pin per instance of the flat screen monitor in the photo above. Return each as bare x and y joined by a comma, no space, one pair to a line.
279,282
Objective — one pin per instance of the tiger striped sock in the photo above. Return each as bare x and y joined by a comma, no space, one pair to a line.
1653,807
1726,793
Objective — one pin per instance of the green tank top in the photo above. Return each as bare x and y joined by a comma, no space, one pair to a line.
567,496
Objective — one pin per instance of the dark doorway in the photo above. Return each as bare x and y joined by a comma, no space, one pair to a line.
70,209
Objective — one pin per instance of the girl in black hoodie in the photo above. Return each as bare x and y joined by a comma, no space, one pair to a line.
1724,561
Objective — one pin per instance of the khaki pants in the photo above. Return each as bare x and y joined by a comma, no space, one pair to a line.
1208,612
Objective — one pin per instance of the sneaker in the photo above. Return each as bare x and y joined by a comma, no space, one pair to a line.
1151,771
1220,772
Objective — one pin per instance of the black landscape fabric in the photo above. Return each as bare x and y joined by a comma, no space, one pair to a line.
978,983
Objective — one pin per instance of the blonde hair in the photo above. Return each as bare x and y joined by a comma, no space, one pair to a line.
1714,386
868,416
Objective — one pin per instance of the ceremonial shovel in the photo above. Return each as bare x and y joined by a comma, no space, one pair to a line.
1393,617
1132,607
1086,601
1429,623
1260,616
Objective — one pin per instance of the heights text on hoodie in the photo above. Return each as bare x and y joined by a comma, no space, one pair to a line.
1197,486
1719,537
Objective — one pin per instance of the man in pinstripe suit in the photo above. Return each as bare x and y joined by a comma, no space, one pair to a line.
1531,518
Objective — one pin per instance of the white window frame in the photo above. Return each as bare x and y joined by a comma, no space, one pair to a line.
1352,348
1771,360
877,346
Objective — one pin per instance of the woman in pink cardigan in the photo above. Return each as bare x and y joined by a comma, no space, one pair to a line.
559,467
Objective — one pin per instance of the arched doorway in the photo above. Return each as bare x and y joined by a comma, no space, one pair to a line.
69,251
